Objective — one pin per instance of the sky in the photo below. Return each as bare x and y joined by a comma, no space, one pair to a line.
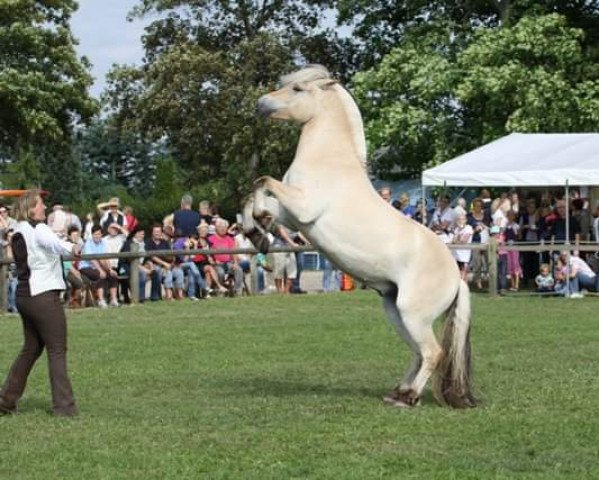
106,37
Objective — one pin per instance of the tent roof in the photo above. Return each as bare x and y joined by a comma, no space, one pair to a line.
523,159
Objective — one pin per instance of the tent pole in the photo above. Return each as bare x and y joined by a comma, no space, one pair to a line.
567,220
423,206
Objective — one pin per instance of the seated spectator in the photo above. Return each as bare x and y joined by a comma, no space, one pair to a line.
566,281
6,221
165,270
241,241
186,220
205,212
227,265
544,280
405,207
99,272
135,241
114,240
206,263
462,235
195,281
111,214
76,282
59,221
285,265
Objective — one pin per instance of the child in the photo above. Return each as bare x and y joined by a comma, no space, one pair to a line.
514,269
462,234
544,279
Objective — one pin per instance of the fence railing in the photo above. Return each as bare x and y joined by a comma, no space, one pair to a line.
134,256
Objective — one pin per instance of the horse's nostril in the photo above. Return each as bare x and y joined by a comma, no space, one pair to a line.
265,107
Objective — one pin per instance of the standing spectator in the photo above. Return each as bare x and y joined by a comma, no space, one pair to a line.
114,241
87,228
331,276
6,221
38,302
462,235
499,209
136,237
420,213
480,222
531,228
385,193
443,219
485,196
205,213
164,271
596,225
496,232
185,219
226,264
557,231
12,271
206,263
581,214
112,215
460,208
285,266
515,203
99,272
59,220
131,221
245,259
512,232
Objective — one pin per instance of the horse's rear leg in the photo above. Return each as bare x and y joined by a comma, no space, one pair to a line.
418,334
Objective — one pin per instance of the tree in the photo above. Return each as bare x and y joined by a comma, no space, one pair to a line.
427,102
43,84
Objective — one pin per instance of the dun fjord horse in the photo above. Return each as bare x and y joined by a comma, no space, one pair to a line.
326,194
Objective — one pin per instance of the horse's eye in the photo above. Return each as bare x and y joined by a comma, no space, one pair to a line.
297,88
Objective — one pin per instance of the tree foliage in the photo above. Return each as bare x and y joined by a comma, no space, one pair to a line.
430,99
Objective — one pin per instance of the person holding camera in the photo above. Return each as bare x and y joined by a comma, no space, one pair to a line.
37,250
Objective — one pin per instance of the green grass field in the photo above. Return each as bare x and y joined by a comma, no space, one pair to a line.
277,388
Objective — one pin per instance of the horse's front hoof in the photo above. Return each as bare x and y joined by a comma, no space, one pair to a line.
403,398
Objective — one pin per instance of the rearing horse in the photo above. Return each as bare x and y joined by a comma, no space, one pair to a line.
326,194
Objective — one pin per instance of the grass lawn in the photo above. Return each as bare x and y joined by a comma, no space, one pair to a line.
273,387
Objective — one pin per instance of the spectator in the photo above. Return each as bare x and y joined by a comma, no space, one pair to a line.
205,213
130,219
566,281
584,274
6,221
87,229
385,193
185,219
195,282
462,235
164,268
76,282
499,209
227,265
596,225
420,213
544,280
206,263
531,228
514,199
479,221
496,232
557,231
460,208
135,238
405,207
443,219
59,221
99,272
12,271
285,266
114,241
514,271
241,241
485,196
112,215
331,276
581,214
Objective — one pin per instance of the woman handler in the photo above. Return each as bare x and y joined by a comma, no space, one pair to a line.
37,251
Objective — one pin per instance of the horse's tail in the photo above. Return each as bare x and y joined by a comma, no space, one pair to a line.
452,384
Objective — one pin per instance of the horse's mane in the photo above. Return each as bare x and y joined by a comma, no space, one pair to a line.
318,72
307,74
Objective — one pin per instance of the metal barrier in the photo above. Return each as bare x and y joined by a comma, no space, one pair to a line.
490,248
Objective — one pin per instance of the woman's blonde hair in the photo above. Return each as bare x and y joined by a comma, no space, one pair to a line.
25,203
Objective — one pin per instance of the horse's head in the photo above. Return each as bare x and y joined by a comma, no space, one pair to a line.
300,95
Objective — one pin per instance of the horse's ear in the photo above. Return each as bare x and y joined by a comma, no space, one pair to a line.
327,84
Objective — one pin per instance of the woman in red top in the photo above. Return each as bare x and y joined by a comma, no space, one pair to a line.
205,263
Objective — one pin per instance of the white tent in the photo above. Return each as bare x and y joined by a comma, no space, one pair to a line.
523,159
